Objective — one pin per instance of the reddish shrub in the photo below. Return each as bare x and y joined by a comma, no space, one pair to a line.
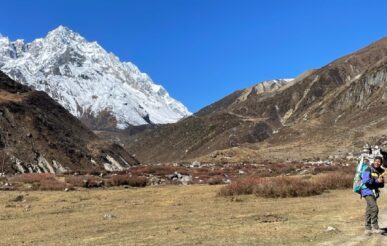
161,170
93,181
199,171
241,186
321,169
41,181
32,177
141,170
215,173
86,181
334,180
288,186
76,181
118,180
52,184
135,181
216,180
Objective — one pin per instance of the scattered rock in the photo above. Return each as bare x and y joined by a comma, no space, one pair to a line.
109,216
183,179
195,164
6,188
153,180
186,179
331,229
227,181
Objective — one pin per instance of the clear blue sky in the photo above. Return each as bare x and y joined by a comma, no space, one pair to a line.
202,50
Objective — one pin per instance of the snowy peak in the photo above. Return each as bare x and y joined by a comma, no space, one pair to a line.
62,31
91,83
63,36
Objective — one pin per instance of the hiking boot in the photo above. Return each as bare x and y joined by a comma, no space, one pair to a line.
368,232
377,231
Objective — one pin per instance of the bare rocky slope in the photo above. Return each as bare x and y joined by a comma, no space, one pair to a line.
328,111
38,135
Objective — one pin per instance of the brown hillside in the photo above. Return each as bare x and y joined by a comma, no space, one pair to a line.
39,135
326,111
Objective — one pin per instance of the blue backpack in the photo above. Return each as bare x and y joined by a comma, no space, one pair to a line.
357,182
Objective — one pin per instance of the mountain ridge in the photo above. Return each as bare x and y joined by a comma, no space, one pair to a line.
320,113
91,83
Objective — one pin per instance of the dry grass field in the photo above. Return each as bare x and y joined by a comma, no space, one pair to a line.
179,215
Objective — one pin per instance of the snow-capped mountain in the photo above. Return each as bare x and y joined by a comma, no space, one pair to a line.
87,80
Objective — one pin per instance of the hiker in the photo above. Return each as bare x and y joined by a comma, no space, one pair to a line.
373,180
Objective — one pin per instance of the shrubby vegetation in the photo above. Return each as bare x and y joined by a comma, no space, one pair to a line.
288,186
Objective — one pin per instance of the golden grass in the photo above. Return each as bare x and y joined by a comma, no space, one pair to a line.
175,215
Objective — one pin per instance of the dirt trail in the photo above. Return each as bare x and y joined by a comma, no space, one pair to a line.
362,239
382,239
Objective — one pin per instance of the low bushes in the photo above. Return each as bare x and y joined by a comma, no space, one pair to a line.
75,180
288,186
32,177
86,181
323,169
89,181
134,181
243,186
161,170
41,181
334,180
52,184
44,181
216,180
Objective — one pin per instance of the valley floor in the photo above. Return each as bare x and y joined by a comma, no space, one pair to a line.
180,215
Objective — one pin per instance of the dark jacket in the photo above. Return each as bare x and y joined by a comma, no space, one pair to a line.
369,178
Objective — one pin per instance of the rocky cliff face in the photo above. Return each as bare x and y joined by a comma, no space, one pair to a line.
332,109
89,82
39,135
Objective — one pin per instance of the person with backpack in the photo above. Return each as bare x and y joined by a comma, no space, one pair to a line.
372,180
